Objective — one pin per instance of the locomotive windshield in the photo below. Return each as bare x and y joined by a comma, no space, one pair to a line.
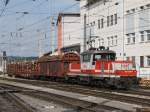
86,57
104,56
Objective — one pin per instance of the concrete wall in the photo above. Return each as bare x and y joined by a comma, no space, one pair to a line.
70,30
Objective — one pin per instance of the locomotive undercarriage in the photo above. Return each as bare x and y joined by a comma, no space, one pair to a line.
104,82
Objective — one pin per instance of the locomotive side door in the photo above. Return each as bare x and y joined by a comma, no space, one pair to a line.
86,62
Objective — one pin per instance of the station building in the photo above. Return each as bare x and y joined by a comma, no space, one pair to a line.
3,62
68,32
121,25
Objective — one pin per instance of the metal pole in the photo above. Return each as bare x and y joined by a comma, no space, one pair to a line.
123,31
84,44
51,34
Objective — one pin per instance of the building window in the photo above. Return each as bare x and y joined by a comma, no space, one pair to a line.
112,40
142,7
148,5
128,40
133,10
141,61
133,37
116,40
112,19
93,43
148,60
102,23
98,24
148,35
107,20
128,11
142,36
108,41
93,23
101,42
116,18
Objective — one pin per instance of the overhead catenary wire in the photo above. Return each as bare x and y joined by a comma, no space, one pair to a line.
89,26
55,15
4,7
105,31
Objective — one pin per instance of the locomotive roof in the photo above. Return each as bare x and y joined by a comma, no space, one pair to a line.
97,51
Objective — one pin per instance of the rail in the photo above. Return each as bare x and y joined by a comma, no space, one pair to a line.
16,100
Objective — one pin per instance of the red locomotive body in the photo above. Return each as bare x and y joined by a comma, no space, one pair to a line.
101,68
96,67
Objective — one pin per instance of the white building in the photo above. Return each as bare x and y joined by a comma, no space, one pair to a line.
121,25
1,64
68,25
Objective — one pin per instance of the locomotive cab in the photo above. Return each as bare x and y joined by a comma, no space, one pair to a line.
100,67
89,58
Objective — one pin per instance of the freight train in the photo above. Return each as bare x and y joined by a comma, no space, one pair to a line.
96,66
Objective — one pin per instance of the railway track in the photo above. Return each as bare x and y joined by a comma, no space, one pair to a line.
59,85
76,104
133,97
17,104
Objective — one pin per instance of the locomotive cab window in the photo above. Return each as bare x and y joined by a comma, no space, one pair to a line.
86,57
104,56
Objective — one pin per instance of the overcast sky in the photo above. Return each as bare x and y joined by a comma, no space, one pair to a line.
23,22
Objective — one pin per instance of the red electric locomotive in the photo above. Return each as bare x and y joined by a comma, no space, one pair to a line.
100,67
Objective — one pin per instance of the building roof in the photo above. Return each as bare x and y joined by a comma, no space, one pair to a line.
74,47
68,14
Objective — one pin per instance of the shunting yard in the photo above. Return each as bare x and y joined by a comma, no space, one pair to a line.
78,98
39,100
9,102
14,99
75,56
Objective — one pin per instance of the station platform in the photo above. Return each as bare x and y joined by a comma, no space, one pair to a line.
92,99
